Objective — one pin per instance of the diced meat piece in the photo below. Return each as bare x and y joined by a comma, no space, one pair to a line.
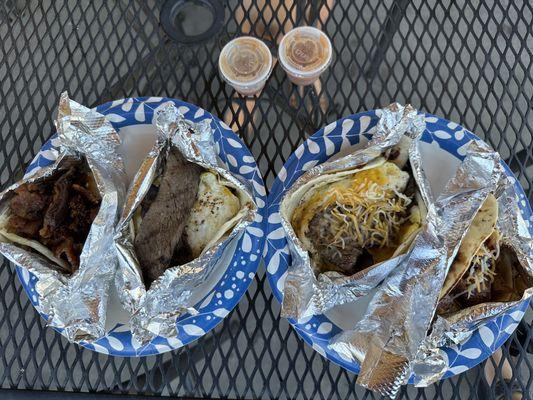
80,221
91,197
67,251
24,227
60,234
28,202
58,209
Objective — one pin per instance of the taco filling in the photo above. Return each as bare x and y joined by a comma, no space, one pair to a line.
484,269
54,216
357,220
185,210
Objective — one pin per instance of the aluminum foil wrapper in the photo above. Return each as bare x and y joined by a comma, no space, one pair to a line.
430,364
305,292
154,311
77,304
391,337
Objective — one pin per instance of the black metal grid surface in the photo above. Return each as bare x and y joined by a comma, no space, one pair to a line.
468,61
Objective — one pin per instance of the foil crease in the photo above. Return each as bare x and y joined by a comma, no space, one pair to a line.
305,293
154,311
77,305
430,363
401,312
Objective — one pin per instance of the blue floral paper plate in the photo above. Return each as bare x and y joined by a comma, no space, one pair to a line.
238,264
444,146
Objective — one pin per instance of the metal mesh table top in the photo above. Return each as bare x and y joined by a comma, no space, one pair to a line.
469,62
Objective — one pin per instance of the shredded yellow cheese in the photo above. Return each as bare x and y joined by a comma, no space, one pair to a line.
365,212
482,268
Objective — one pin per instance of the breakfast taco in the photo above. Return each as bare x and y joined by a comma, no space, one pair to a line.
353,219
485,268
183,210
186,210
57,222
53,216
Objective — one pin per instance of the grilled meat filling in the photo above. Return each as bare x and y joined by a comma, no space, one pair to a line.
165,214
57,213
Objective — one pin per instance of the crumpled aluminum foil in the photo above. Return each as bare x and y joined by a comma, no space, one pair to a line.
391,340
77,304
305,293
430,364
154,311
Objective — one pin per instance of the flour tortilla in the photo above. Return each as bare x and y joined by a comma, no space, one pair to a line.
33,244
291,205
479,231
308,190
422,211
226,228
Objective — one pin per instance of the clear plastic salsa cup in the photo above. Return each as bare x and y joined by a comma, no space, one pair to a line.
245,63
304,53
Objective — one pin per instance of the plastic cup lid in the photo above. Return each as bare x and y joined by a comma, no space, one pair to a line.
305,51
245,61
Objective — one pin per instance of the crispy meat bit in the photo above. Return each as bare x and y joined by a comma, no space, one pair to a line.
68,251
79,216
29,202
90,196
59,213
58,209
24,227
59,235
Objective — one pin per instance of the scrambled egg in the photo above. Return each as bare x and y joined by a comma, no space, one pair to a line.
215,205
368,206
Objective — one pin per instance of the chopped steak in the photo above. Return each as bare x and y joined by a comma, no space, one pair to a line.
79,215
24,227
29,202
92,197
68,251
164,221
57,213
58,209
